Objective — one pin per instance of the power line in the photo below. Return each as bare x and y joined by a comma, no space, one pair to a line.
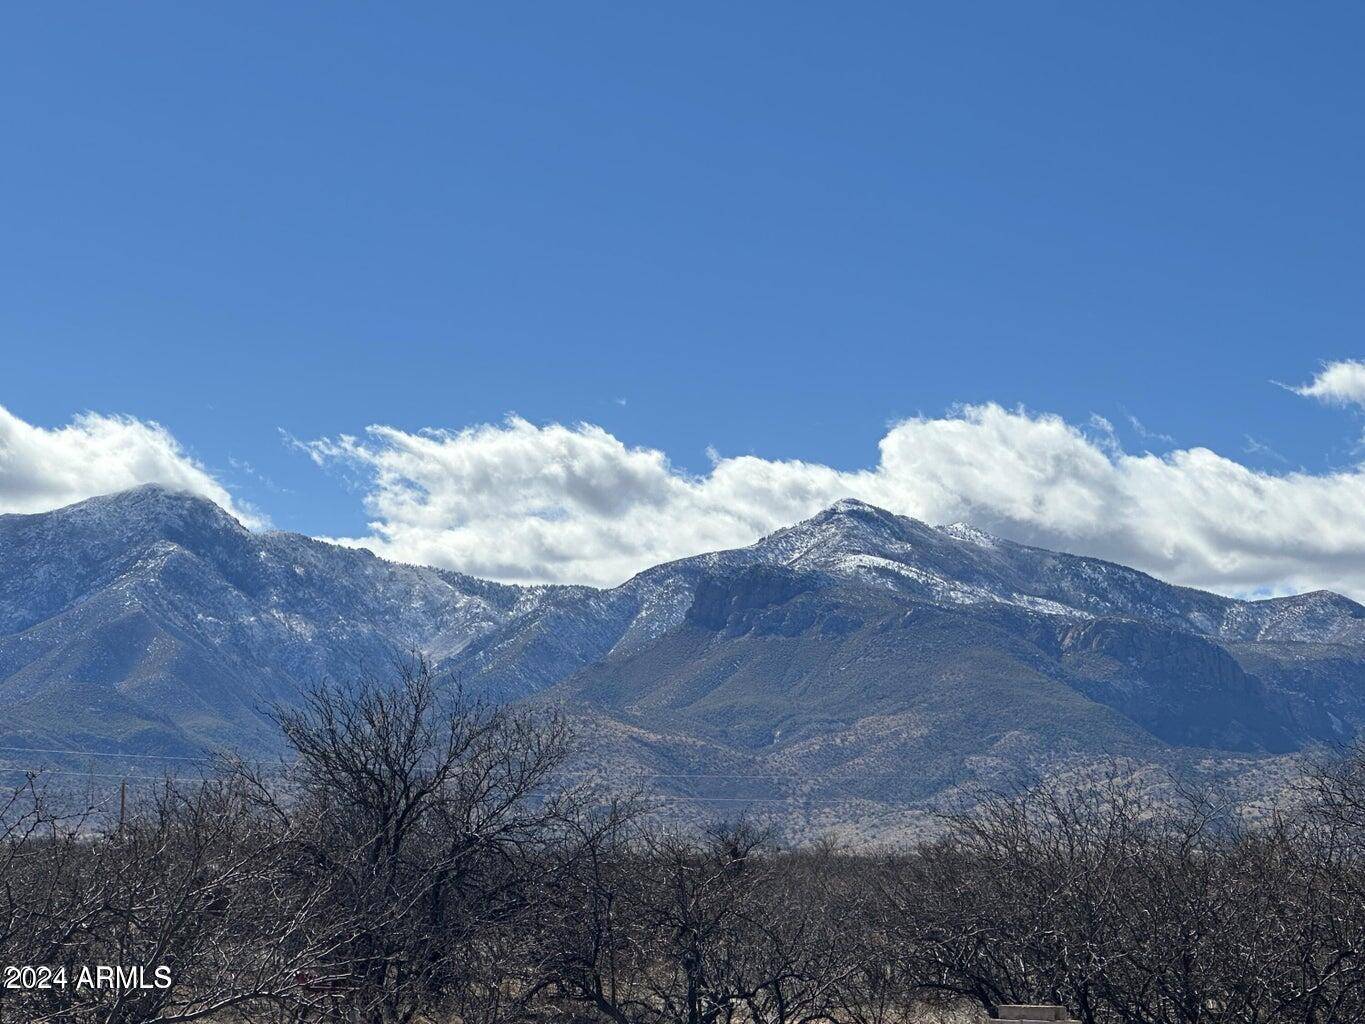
664,797
685,775
104,753
21,770
580,773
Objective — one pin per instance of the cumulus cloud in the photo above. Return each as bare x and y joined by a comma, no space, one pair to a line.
1339,383
528,503
42,469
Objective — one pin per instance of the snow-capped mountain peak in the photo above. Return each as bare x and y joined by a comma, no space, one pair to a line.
166,600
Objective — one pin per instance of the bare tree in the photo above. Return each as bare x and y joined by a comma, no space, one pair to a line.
421,857
666,927
422,814
185,905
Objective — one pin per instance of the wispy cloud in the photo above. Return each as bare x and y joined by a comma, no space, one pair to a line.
1147,435
1104,434
245,468
1338,383
1255,447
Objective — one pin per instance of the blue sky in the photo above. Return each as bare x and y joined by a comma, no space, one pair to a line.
768,229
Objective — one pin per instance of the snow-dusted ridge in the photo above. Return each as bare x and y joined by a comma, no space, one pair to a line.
179,623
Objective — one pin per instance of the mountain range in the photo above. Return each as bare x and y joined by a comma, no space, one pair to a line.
848,674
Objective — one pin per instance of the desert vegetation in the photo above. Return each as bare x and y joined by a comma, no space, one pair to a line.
419,857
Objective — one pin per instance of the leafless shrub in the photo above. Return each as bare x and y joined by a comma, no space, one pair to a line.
420,857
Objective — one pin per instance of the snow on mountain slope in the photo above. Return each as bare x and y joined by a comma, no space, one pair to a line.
963,565
153,620
116,592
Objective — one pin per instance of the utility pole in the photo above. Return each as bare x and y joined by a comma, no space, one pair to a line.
122,802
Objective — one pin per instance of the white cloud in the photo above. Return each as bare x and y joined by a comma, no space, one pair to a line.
42,469
522,502
1339,383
